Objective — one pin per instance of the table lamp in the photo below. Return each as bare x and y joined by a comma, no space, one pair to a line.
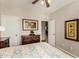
2,28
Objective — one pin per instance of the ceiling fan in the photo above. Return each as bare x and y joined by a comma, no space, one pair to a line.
44,1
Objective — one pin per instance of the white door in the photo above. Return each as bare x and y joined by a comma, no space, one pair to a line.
51,32
11,24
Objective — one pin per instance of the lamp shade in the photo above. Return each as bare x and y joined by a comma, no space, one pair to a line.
2,28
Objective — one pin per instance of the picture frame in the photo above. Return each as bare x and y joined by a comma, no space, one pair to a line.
72,29
29,24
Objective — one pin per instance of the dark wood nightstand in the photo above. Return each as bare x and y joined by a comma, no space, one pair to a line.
30,39
4,42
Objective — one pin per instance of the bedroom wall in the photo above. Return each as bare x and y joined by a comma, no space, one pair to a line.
0,23
13,25
67,13
0,19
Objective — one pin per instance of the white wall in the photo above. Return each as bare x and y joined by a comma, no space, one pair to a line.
13,25
0,19
0,23
67,13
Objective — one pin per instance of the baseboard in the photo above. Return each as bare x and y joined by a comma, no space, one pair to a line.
74,56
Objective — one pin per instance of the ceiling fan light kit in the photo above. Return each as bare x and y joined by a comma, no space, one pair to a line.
42,2
49,1
46,2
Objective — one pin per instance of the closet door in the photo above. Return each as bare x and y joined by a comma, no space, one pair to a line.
11,24
51,32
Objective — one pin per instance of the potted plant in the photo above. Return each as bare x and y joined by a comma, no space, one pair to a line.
31,33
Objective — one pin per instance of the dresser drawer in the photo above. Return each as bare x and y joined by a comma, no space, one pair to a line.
26,41
36,39
4,42
30,39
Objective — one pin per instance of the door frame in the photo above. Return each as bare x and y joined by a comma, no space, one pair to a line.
41,31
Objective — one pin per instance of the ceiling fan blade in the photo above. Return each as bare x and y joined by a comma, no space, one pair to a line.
47,4
35,1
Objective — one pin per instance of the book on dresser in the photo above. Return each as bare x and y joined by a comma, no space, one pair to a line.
27,39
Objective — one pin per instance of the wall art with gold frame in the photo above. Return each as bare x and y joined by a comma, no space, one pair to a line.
72,29
29,24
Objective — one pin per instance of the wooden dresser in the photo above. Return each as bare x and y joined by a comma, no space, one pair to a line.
30,39
4,42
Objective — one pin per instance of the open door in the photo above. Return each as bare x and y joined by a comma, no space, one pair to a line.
44,31
51,34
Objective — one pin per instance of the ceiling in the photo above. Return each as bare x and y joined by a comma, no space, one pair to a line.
23,7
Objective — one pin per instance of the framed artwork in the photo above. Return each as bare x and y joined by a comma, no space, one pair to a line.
72,29
29,24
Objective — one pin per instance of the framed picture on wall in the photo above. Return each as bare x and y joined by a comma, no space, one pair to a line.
29,24
72,29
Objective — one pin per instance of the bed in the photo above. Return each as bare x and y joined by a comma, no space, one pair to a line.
35,50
